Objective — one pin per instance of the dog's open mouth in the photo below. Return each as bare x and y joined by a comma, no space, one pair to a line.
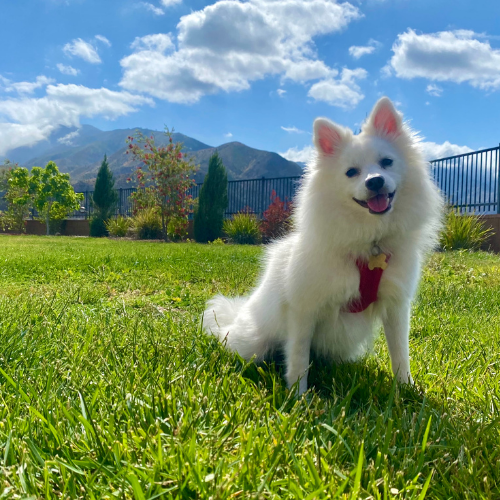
379,204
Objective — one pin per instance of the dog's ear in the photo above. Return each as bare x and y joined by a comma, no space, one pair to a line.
328,137
384,120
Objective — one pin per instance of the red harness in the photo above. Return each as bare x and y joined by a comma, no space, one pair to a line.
369,281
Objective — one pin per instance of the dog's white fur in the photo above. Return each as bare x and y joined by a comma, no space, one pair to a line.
310,275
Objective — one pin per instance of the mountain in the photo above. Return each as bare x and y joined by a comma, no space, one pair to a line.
243,162
79,152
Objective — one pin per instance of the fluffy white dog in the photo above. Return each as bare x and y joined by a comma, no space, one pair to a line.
365,216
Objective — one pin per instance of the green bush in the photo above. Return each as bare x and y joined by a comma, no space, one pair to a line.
243,229
105,196
463,232
146,224
118,227
98,227
209,217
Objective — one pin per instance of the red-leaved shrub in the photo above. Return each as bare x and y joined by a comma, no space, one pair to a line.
276,219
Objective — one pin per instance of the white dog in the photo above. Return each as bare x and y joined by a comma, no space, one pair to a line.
365,216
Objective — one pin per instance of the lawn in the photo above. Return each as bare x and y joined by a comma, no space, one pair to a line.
109,389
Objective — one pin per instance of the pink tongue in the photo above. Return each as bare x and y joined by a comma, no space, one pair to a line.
378,203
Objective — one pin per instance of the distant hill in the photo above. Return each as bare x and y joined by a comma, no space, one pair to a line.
79,152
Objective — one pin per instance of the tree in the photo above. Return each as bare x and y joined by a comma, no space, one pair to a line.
14,180
163,179
104,199
53,195
212,202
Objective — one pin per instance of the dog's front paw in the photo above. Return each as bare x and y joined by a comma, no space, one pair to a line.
299,388
405,378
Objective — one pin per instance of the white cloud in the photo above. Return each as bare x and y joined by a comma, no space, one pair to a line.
152,8
229,44
343,92
454,56
228,135
68,138
434,90
357,51
169,3
26,120
433,151
281,92
295,154
293,130
159,42
80,48
67,70
386,71
103,39
24,87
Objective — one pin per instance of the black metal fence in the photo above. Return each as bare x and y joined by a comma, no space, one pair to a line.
470,182
253,195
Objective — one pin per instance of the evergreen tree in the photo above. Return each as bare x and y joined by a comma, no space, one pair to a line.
213,201
104,199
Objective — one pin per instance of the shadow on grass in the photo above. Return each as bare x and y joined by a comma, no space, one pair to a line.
366,384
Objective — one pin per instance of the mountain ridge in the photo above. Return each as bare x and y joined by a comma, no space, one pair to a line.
79,152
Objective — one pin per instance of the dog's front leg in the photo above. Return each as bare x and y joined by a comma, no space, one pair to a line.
297,348
397,330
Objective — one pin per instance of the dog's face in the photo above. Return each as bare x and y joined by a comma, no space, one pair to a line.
367,169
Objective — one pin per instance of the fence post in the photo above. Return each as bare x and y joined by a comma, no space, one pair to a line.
120,205
498,180
263,203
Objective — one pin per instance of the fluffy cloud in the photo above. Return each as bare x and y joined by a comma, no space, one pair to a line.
156,43
433,151
342,92
67,70
454,56
24,87
357,51
295,154
434,90
229,44
68,138
281,92
25,121
82,49
169,3
228,135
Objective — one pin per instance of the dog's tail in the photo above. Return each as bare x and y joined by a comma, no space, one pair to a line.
231,322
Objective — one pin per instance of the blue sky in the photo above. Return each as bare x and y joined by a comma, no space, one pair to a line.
255,71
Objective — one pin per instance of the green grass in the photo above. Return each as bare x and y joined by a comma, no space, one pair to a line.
108,389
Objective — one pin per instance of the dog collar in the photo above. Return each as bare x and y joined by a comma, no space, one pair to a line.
370,274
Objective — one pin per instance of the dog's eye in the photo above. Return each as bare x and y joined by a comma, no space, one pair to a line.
385,162
352,172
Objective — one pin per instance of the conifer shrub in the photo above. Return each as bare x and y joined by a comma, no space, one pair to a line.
212,202
104,200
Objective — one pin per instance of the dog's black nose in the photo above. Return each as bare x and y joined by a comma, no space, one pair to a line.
375,183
